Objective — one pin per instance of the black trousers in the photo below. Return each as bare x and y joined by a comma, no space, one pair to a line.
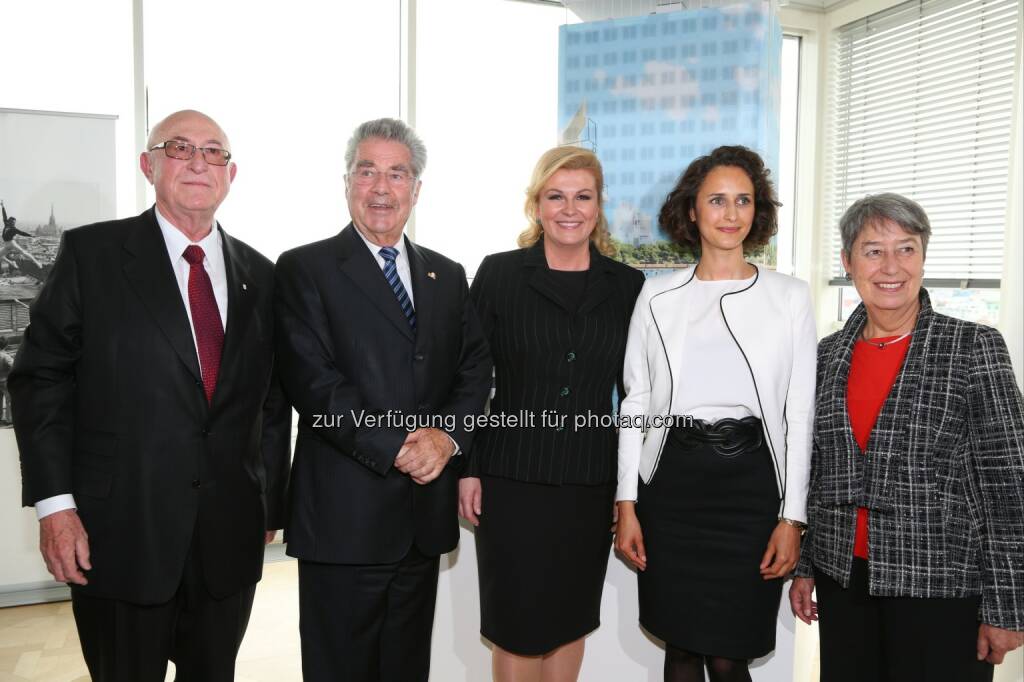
895,639
125,642
367,623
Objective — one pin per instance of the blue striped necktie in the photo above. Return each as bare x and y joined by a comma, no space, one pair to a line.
389,254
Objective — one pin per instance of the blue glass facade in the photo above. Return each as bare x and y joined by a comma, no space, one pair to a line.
651,93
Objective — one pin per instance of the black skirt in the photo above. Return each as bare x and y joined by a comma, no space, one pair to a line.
706,519
542,552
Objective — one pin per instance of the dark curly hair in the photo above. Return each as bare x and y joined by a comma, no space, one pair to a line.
675,213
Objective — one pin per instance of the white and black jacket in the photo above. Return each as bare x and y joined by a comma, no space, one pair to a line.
772,323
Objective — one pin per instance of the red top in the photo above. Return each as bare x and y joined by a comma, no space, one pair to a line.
873,371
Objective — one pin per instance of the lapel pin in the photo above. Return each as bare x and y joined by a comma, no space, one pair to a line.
245,287
432,275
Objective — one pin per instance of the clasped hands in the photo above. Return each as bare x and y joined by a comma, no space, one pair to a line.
424,454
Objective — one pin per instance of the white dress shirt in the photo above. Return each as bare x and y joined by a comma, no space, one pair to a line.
176,242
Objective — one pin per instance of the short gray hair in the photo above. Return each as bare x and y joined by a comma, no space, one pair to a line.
877,208
388,129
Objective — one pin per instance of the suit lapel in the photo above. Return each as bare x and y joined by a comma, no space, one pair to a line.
867,473
540,279
359,265
670,323
148,269
598,289
241,307
843,447
894,434
599,282
424,281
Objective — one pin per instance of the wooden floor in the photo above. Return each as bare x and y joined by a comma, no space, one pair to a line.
40,642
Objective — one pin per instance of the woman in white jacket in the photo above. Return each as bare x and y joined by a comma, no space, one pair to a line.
715,439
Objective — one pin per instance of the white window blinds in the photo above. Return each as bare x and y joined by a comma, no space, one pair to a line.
921,104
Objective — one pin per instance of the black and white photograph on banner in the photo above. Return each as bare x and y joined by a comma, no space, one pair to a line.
56,173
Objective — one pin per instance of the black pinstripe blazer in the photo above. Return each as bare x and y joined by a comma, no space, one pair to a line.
943,475
550,357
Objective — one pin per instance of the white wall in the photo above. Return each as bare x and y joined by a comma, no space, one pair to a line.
288,86
617,651
50,63
486,106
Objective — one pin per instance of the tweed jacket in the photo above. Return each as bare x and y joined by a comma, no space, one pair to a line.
943,475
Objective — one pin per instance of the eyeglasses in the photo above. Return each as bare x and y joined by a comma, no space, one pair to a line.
396,177
183,151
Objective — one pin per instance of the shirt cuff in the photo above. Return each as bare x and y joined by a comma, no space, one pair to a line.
455,443
52,505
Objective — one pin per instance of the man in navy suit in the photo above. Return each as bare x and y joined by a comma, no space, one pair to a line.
383,357
153,439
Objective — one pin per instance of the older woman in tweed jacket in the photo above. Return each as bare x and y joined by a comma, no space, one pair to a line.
916,537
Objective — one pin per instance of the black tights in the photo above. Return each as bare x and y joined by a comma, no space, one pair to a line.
686,666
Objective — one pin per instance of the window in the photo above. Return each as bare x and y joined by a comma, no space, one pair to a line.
923,97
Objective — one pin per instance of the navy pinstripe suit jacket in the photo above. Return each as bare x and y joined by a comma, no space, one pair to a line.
551,356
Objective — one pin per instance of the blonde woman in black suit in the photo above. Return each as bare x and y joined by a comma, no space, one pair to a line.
555,312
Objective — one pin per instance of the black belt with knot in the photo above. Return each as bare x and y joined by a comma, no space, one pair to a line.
727,437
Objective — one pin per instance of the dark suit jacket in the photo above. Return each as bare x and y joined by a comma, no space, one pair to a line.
109,405
941,476
345,348
551,356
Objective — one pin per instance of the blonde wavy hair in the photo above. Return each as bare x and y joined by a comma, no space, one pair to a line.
552,161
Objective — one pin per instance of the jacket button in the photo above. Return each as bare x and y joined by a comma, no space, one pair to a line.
570,356
195,483
418,357
564,392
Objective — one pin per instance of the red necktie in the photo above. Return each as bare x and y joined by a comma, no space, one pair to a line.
205,318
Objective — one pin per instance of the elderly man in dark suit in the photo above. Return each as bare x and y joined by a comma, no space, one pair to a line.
384,359
154,445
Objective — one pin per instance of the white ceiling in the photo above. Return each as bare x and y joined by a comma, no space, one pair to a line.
596,10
